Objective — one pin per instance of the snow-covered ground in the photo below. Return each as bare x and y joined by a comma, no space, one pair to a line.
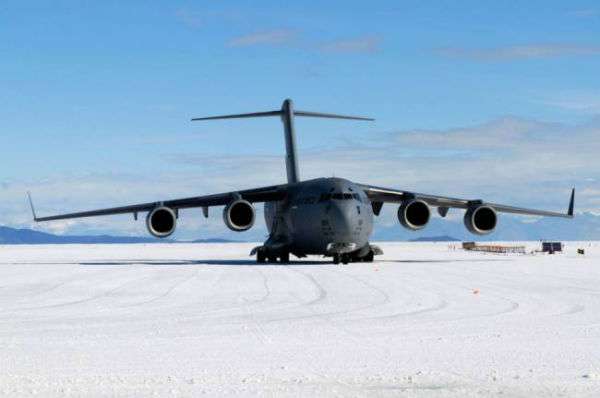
191,320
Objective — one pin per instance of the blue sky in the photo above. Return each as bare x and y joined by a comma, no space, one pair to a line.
96,99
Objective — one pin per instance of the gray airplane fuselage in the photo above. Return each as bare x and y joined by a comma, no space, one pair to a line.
321,216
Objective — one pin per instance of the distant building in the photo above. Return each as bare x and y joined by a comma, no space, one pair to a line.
552,247
472,246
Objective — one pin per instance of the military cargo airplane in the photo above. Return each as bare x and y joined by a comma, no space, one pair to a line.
332,217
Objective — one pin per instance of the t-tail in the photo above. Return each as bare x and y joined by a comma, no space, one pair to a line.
287,114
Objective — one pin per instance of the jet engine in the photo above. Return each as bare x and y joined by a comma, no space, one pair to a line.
239,215
161,222
481,219
414,214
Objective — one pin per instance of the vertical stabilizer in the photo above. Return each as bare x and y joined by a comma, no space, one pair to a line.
291,157
287,114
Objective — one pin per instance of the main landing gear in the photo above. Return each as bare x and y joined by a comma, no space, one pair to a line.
344,258
262,257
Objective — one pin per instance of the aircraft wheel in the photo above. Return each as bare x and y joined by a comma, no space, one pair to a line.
285,258
261,257
369,257
345,258
336,258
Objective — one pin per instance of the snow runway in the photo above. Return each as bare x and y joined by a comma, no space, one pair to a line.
202,319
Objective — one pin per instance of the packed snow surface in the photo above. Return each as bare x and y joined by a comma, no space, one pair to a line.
192,320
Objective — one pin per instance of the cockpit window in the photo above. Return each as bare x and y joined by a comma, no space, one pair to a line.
324,197
339,196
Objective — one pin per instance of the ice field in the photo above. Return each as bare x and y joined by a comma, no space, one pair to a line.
191,320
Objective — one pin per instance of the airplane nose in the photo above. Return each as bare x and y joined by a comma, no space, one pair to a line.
346,226
341,220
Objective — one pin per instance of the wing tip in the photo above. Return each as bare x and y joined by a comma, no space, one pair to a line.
32,207
570,213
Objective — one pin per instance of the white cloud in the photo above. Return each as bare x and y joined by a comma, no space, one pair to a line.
585,12
509,53
295,39
584,102
198,17
273,37
365,44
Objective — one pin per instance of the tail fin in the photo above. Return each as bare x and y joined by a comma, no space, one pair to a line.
287,114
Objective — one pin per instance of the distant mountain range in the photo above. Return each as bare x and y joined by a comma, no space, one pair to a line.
584,226
12,236
442,238
28,236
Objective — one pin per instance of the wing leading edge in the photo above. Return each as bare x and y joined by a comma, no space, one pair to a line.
386,195
265,194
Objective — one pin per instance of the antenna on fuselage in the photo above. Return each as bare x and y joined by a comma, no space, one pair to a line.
287,114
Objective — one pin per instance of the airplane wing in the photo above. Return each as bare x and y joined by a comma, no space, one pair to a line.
380,195
265,194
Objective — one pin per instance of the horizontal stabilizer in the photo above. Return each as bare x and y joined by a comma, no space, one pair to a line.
330,116
240,116
281,113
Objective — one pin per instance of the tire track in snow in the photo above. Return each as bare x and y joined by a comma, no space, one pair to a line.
442,304
80,278
412,292
261,336
569,307
385,296
265,286
322,294
224,310
309,306
254,324
512,304
85,300
165,293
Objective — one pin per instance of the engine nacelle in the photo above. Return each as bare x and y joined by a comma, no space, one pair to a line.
161,222
414,214
481,219
239,215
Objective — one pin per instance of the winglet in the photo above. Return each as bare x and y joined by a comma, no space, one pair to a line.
572,203
32,208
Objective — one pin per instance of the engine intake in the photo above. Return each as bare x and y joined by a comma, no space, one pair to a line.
161,222
239,215
481,219
414,214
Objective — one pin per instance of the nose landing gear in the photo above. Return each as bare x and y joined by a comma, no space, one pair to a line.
346,258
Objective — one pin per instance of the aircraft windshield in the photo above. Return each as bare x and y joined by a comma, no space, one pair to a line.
339,196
